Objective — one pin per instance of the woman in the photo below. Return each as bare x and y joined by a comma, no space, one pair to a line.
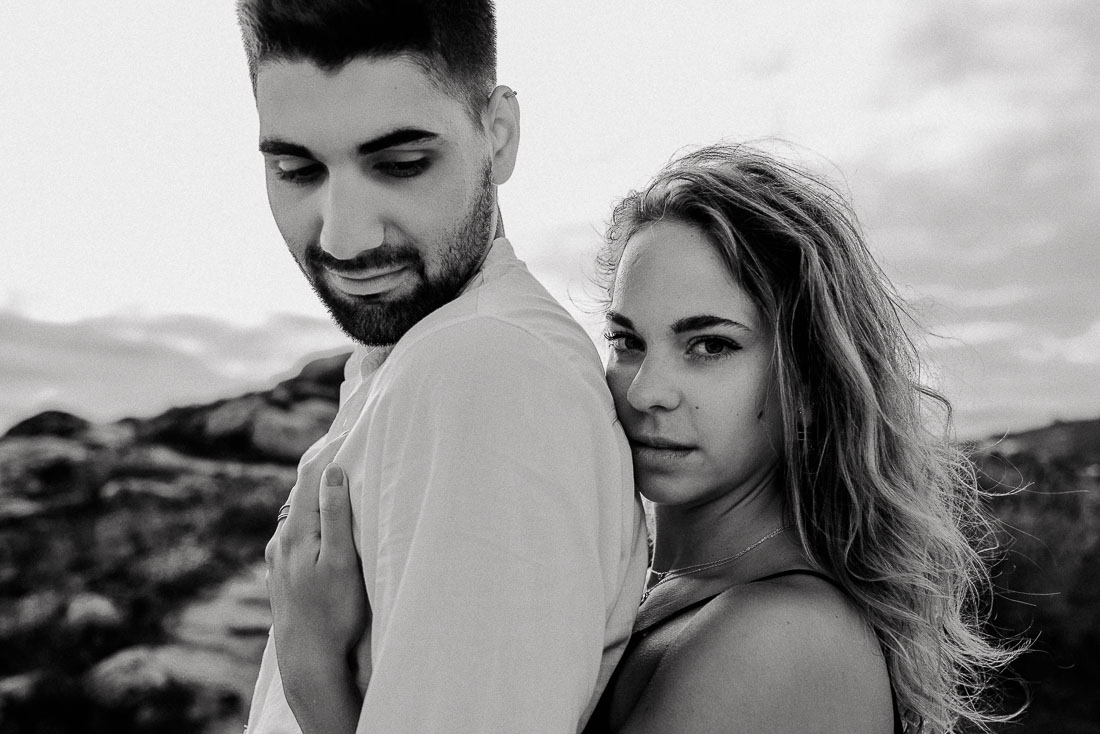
814,562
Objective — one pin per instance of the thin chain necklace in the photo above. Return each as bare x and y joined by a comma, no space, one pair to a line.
673,573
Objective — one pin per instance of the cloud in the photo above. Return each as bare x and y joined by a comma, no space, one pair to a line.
1007,294
995,390
982,202
972,333
985,44
1010,219
1079,349
115,366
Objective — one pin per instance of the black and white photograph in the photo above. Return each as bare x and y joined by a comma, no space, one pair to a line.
625,367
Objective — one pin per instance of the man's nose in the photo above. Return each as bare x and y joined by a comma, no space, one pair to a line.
352,222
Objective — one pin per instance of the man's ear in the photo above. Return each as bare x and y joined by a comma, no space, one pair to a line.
502,124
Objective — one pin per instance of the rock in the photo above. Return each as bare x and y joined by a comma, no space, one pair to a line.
217,646
36,610
320,378
45,468
325,371
87,610
19,508
284,435
222,429
162,510
183,570
149,681
233,419
235,621
276,425
111,435
210,675
50,423
18,689
177,565
182,489
131,674
160,462
252,427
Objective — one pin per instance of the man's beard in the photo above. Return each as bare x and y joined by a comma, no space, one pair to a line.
370,320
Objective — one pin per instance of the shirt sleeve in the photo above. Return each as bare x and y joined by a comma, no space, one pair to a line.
489,603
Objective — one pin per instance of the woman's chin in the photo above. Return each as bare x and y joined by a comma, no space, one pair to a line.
663,492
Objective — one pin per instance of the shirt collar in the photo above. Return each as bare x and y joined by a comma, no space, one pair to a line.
498,258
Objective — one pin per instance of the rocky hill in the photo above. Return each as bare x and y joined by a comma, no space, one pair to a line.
131,582
1076,440
1044,487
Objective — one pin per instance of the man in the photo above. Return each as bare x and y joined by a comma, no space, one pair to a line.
502,547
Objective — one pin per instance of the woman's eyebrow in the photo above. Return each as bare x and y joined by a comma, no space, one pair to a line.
619,319
704,321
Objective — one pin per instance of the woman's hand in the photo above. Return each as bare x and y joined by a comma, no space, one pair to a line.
318,600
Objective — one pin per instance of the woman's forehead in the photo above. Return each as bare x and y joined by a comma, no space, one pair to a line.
671,270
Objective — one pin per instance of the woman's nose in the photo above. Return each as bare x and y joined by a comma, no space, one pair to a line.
653,387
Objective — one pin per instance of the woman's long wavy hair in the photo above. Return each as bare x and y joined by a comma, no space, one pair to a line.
881,498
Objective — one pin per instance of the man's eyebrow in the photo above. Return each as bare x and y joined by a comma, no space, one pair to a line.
274,146
401,136
704,321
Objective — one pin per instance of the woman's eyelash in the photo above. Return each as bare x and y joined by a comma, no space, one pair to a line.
617,339
728,347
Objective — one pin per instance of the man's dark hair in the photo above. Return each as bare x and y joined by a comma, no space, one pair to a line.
453,41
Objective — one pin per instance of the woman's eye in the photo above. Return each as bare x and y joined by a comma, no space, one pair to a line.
711,347
403,169
620,342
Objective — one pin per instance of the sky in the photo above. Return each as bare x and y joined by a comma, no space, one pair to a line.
141,268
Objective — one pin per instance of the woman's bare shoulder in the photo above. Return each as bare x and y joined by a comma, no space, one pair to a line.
789,654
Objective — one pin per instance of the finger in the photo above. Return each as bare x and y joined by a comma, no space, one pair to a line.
304,518
335,507
270,550
284,511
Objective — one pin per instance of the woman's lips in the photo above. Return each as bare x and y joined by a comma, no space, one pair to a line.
658,449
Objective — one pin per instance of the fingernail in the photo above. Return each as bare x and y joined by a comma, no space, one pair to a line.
334,475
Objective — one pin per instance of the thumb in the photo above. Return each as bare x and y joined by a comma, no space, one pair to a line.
335,506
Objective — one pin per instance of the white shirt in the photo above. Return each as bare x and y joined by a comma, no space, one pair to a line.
503,547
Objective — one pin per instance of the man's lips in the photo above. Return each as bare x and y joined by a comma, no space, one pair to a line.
367,282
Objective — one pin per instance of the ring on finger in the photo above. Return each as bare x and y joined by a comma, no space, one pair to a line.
284,511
